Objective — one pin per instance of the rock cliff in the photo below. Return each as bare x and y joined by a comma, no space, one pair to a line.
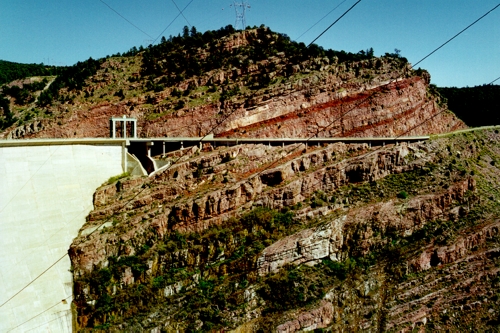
287,239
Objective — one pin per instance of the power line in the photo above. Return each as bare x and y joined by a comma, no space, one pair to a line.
175,18
181,13
331,25
86,209
32,281
494,81
24,322
368,98
48,322
428,55
321,19
123,206
126,19
39,275
452,38
240,9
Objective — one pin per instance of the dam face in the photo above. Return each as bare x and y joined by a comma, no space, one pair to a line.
45,194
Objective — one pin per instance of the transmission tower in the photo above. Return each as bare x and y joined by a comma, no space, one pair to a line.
240,9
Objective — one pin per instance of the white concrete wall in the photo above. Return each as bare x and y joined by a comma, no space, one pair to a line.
45,195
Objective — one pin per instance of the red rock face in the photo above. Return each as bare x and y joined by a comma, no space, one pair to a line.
309,320
321,100
399,108
321,105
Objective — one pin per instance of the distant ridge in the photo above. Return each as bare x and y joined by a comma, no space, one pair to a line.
10,71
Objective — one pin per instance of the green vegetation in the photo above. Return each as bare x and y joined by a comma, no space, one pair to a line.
176,58
10,71
21,95
299,286
393,185
402,195
231,249
113,179
72,78
7,116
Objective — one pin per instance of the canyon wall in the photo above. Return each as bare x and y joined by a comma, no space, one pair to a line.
296,238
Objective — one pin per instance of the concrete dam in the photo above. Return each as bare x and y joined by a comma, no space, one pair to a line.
46,191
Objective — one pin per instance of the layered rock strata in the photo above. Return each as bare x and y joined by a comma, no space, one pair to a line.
383,238
288,184
351,232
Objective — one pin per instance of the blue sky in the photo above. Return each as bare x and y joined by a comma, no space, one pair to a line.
62,32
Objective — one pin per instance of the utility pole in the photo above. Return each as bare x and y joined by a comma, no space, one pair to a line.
240,9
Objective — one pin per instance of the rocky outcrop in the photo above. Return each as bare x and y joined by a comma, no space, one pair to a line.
27,129
378,109
307,246
355,231
442,255
404,218
382,109
459,281
299,178
309,321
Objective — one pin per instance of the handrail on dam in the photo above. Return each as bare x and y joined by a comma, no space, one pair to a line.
137,152
158,146
174,143
285,140
61,142
145,146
